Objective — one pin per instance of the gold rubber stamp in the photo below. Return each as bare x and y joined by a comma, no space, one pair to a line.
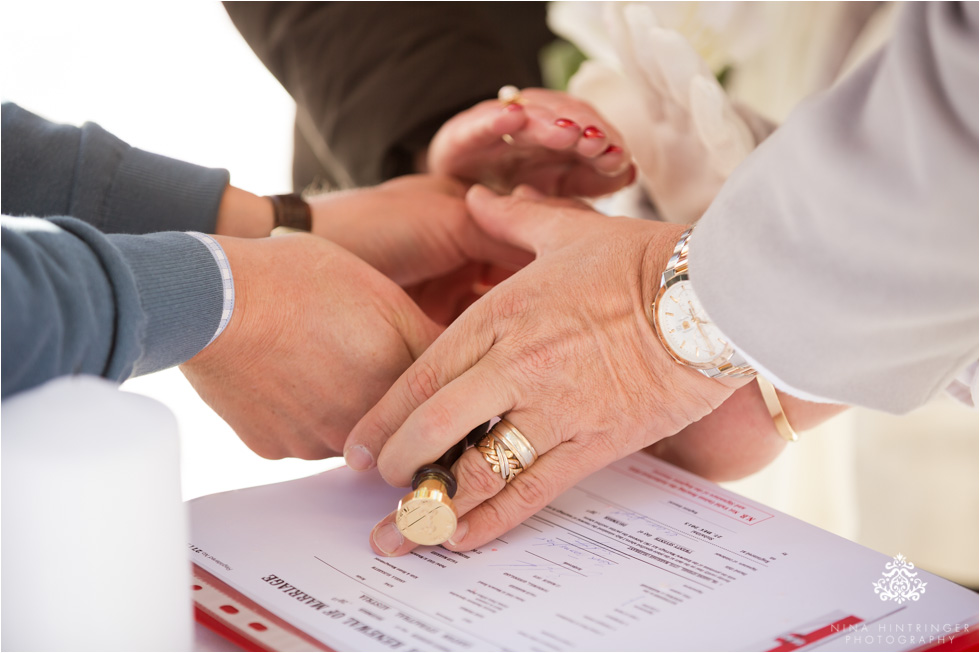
427,515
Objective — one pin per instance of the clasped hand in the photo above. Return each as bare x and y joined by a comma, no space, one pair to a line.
564,348
324,326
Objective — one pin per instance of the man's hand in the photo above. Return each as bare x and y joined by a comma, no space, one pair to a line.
416,231
564,348
555,143
316,338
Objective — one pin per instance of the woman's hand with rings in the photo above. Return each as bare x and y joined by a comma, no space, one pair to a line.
547,139
564,349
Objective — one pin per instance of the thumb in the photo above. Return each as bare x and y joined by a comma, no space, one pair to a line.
525,219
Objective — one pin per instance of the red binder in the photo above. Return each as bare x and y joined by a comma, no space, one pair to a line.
240,620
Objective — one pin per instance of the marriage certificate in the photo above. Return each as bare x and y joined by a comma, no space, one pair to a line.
639,556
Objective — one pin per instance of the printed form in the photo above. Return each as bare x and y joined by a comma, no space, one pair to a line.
639,556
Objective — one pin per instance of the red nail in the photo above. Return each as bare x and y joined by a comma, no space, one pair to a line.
593,132
613,148
510,108
565,122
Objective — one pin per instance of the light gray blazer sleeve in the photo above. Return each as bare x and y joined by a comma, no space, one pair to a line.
842,256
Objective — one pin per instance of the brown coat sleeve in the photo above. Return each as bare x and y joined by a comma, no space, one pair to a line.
373,81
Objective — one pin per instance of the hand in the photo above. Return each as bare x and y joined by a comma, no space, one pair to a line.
738,438
416,231
686,134
564,347
560,146
316,338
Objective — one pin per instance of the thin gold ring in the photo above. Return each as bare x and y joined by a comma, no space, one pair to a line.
507,450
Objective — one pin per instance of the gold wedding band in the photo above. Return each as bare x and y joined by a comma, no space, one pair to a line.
507,450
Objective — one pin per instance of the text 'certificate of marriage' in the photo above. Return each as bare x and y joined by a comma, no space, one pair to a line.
639,556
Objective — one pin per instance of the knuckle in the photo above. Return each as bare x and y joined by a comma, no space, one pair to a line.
374,429
475,476
422,381
541,358
531,492
509,305
436,421
494,518
600,439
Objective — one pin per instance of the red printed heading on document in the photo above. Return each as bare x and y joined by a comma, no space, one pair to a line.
702,496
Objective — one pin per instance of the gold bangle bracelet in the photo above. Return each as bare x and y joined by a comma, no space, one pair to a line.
776,410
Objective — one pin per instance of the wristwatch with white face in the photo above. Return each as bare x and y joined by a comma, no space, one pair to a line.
683,325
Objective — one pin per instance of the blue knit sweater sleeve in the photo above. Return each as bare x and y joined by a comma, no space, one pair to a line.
77,299
87,173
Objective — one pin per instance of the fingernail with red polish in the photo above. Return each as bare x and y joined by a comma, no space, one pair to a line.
565,122
613,148
593,132
511,108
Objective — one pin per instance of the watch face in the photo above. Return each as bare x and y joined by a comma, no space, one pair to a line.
684,329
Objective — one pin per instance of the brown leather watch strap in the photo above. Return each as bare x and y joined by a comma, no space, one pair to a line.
291,211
